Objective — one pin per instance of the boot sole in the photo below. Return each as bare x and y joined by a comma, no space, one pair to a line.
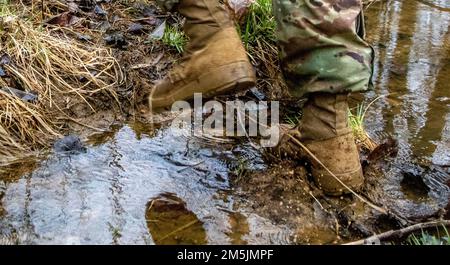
235,77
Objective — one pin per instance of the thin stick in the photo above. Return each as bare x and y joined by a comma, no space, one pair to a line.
178,230
314,197
400,232
42,10
370,104
191,166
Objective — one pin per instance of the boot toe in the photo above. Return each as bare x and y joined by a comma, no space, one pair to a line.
340,156
331,186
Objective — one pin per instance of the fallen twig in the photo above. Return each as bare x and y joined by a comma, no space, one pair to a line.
399,233
177,230
191,166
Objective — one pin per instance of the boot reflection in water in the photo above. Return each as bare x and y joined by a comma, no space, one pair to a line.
215,61
171,223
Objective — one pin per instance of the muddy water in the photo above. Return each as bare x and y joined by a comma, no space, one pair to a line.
129,185
135,185
412,79
412,43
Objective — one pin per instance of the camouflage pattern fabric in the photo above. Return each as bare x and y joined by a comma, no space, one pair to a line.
321,50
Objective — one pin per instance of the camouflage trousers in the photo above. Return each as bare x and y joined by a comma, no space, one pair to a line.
322,45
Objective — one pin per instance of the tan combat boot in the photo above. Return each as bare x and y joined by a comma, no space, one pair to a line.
215,61
324,130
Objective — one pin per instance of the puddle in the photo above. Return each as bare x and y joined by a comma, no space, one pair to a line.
102,196
135,185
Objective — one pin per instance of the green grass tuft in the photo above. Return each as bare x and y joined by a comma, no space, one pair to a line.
356,121
259,24
174,38
5,8
426,239
293,118
257,31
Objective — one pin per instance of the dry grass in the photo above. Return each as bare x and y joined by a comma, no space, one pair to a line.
367,3
61,71
21,123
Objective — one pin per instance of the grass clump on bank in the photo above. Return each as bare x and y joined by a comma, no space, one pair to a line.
259,25
257,30
174,38
22,126
46,74
170,36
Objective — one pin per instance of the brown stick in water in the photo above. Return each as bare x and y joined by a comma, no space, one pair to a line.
399,233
